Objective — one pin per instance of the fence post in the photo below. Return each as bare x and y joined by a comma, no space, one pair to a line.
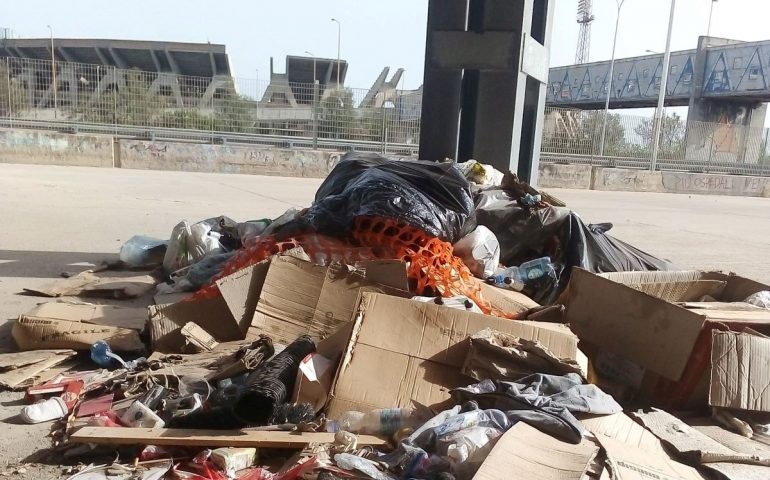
711,151
8,79
115,99
315,114
764,152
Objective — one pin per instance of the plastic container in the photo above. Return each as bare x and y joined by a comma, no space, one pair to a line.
142,250
537,268
139,416
102,355
508,278
459,302
385,421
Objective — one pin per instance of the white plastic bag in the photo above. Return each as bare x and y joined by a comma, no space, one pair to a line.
480,251
467,449
190,243
480,173
759,299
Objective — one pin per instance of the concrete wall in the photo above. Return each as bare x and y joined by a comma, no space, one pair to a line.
257,160
630,180
564,176
52,148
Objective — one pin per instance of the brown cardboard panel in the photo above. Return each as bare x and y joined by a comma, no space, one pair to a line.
632,463
651,332
20,368
241,290
402,350
506,300
90,285
526,452
621,427
34,333
740,371
112,315
300,298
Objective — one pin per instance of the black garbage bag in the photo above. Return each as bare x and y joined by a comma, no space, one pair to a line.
558,232
434,197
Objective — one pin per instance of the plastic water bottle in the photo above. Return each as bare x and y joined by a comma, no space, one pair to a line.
537,268
385,421
508,278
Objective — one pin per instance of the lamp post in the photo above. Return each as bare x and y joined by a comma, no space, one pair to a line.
339,36
609,86
662,93
711,11
53,75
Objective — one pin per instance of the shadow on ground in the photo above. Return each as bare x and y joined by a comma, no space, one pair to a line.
36,264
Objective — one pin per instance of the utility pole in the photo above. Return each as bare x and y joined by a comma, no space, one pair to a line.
662,93
711,12
53,76
339,37
609,79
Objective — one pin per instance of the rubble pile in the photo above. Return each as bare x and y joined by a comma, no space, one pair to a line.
418,320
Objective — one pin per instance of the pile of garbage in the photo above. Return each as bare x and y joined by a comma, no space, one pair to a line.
418,320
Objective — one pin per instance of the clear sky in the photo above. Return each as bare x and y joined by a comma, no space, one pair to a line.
374,33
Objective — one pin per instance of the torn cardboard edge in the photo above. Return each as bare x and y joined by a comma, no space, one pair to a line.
26,373
90,285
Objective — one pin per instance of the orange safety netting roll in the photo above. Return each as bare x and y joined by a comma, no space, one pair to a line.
432,268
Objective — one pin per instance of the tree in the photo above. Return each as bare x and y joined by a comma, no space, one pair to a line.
128,104
579,133
13,95
233,112
672,136
336,115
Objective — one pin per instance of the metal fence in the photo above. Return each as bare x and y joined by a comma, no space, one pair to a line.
102,99
574,136
97,98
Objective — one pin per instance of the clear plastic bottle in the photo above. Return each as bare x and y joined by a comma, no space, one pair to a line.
536,268
102,355
386,421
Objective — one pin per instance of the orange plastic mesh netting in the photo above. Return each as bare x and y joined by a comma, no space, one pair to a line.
431,266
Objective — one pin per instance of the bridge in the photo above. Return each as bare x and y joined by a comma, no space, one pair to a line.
721,81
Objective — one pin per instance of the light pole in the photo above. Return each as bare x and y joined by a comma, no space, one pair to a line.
711,11
53,75
609,86
662,93
651,51
315,102
339,36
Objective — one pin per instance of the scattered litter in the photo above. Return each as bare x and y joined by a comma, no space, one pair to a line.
418,320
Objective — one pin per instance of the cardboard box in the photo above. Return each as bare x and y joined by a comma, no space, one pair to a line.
123,317
507,300
33,333
299,298
120,285
526,452
650,331
402,350
740,371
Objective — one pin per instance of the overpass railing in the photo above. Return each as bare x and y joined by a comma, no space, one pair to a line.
574,136
105,99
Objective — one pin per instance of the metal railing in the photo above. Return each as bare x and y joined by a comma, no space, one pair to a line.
104,99
101,99
573,136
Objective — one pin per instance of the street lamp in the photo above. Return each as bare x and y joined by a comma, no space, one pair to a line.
53,75
651,51
609,87
339,36
711,11
662,93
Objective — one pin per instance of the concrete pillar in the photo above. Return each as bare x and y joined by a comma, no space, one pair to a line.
739,135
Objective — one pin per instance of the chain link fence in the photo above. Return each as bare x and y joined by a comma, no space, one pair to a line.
574,136
102,99
97,98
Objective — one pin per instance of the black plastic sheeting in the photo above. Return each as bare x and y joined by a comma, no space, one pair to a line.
434,197
558,232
